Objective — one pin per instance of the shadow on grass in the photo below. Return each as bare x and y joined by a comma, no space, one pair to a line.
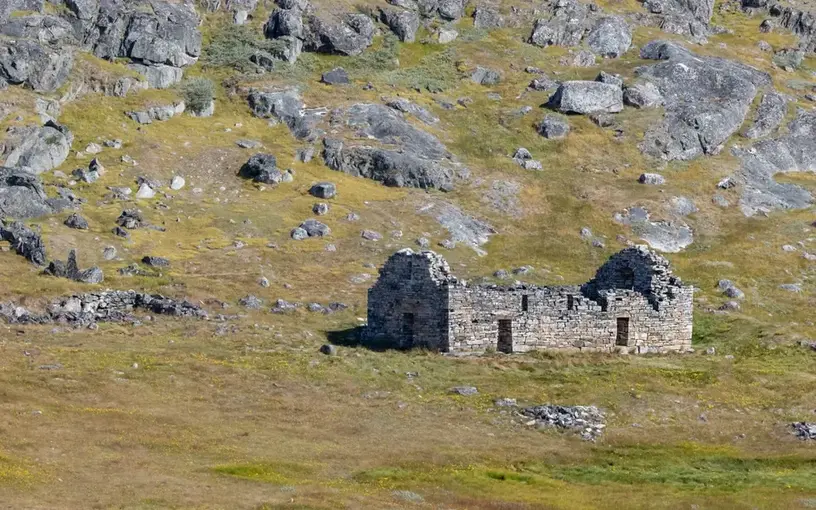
355,337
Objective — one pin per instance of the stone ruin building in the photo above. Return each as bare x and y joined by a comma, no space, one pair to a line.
633,304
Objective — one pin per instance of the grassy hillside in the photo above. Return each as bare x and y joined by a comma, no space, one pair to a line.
246,413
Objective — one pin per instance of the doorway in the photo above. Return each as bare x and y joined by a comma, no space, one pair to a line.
505,341
407,330
623,332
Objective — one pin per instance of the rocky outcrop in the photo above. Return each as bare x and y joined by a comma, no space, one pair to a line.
29,63
396,153
157,113
22,196
70,270
566,25
24,241
664,236
36,150
795,151
286,106
402,22
107,306
706,100
158,37
296,23
769,115
682,17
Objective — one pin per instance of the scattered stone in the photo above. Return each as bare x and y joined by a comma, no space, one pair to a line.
262,168
448,244
791,287
109,253
77,222
505,402
465,391
305,155
314,228
589,421
145,192
371,235
328,350
113,144
804,431
337,76
501,274
323,190
485,76
320,209
553,127
652,179
155,261
283,306
177,183
251,302
728,288
71,271
423,242
248,144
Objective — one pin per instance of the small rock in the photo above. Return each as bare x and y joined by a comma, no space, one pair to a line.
109,253
337,76
328,350
77,222
464,391
155,261
652,179
371,235
145,191
323,190
251,302
177,183
320,208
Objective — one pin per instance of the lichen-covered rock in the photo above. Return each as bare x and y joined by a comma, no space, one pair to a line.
586,97
22,196
553,127
25,62
565,26
610,37
706,100
24,241
769,115
403,23
37,150
642,95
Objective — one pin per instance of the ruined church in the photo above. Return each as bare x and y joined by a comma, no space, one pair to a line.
633,304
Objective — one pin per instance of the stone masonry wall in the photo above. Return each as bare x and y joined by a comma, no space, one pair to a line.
414,284
636,287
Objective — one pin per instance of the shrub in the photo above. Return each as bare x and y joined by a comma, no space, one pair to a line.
232,47
198,94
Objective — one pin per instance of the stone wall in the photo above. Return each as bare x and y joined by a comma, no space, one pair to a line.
408,306
633,303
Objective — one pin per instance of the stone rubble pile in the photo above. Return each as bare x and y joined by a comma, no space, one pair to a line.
804,431
588,420
107,306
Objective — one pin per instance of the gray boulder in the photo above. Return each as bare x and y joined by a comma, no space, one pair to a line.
487,17
769,115
728,288
22,196
450,9
789,59
337,76
611,79
406,106
262,168
25,62
682,17
652,179
76,222
586,97
553,127
315,228
37,150
324,190
706,100
485,76
642,95
348,35
24,241
402,22
610,37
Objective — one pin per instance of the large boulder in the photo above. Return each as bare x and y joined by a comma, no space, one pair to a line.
403,23
37,150
586,97
706,100
24,62
45,29
683,17
348,35
262,168
22,196
611,37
